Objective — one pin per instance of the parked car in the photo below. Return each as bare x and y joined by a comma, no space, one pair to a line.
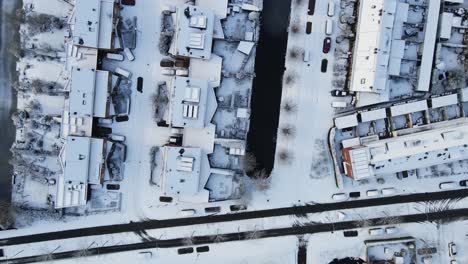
339,104
331,8
324,65
355,194
376,231
391,230
166,63
129,54
118,138
168,72
388,191
115,56
339,196
187,212
372,193
447,185
308,28
463,183
452,249
329,26
123,72
326,45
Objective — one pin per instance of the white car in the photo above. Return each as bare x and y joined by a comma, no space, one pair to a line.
391,230
376,231
340,196
187,212
452,249
372,193
388,191
447,185
129,54
117,138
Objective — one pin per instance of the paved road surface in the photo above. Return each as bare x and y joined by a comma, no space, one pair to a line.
296,210
204,240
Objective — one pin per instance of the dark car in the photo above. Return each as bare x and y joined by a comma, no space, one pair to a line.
340,93
355,194
464,183
324,66
326,44
309,27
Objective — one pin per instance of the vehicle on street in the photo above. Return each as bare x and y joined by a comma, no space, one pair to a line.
129,54
326,45
355,194
463,183
452,249
372,193
339,104
339,196
388,191
123,73
308,27
168,72
376,231
331,8
187,212
118,138
324,65
447,185
329,26
115,56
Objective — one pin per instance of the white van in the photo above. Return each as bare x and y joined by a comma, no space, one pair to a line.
388,191
123,72
339,196
376,231
115,56
129,54
447,185
339,104
306,56
117,138
331,8
372,193
329,26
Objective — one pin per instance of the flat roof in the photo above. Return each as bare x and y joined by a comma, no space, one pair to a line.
89,93
94,23
442,101
445,143
194,27
192,102
346,121
408,108
82,159
373,46
207,70
185,173
373,115
430,36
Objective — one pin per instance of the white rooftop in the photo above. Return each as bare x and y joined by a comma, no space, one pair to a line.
219,7
194,27
185,174
94,23
427,146
192,102
82,160
89,93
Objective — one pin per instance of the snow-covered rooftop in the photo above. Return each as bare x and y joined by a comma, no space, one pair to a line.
89,93
427,146
94,23
194,28
192,102
373,49
82,160
185,173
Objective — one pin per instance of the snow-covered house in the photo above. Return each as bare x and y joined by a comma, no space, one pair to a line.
410,149
185,173
93,23
192,103
193,32
88,98
380,46
82,161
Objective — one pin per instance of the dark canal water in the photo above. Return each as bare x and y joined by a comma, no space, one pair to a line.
7,97
267,85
